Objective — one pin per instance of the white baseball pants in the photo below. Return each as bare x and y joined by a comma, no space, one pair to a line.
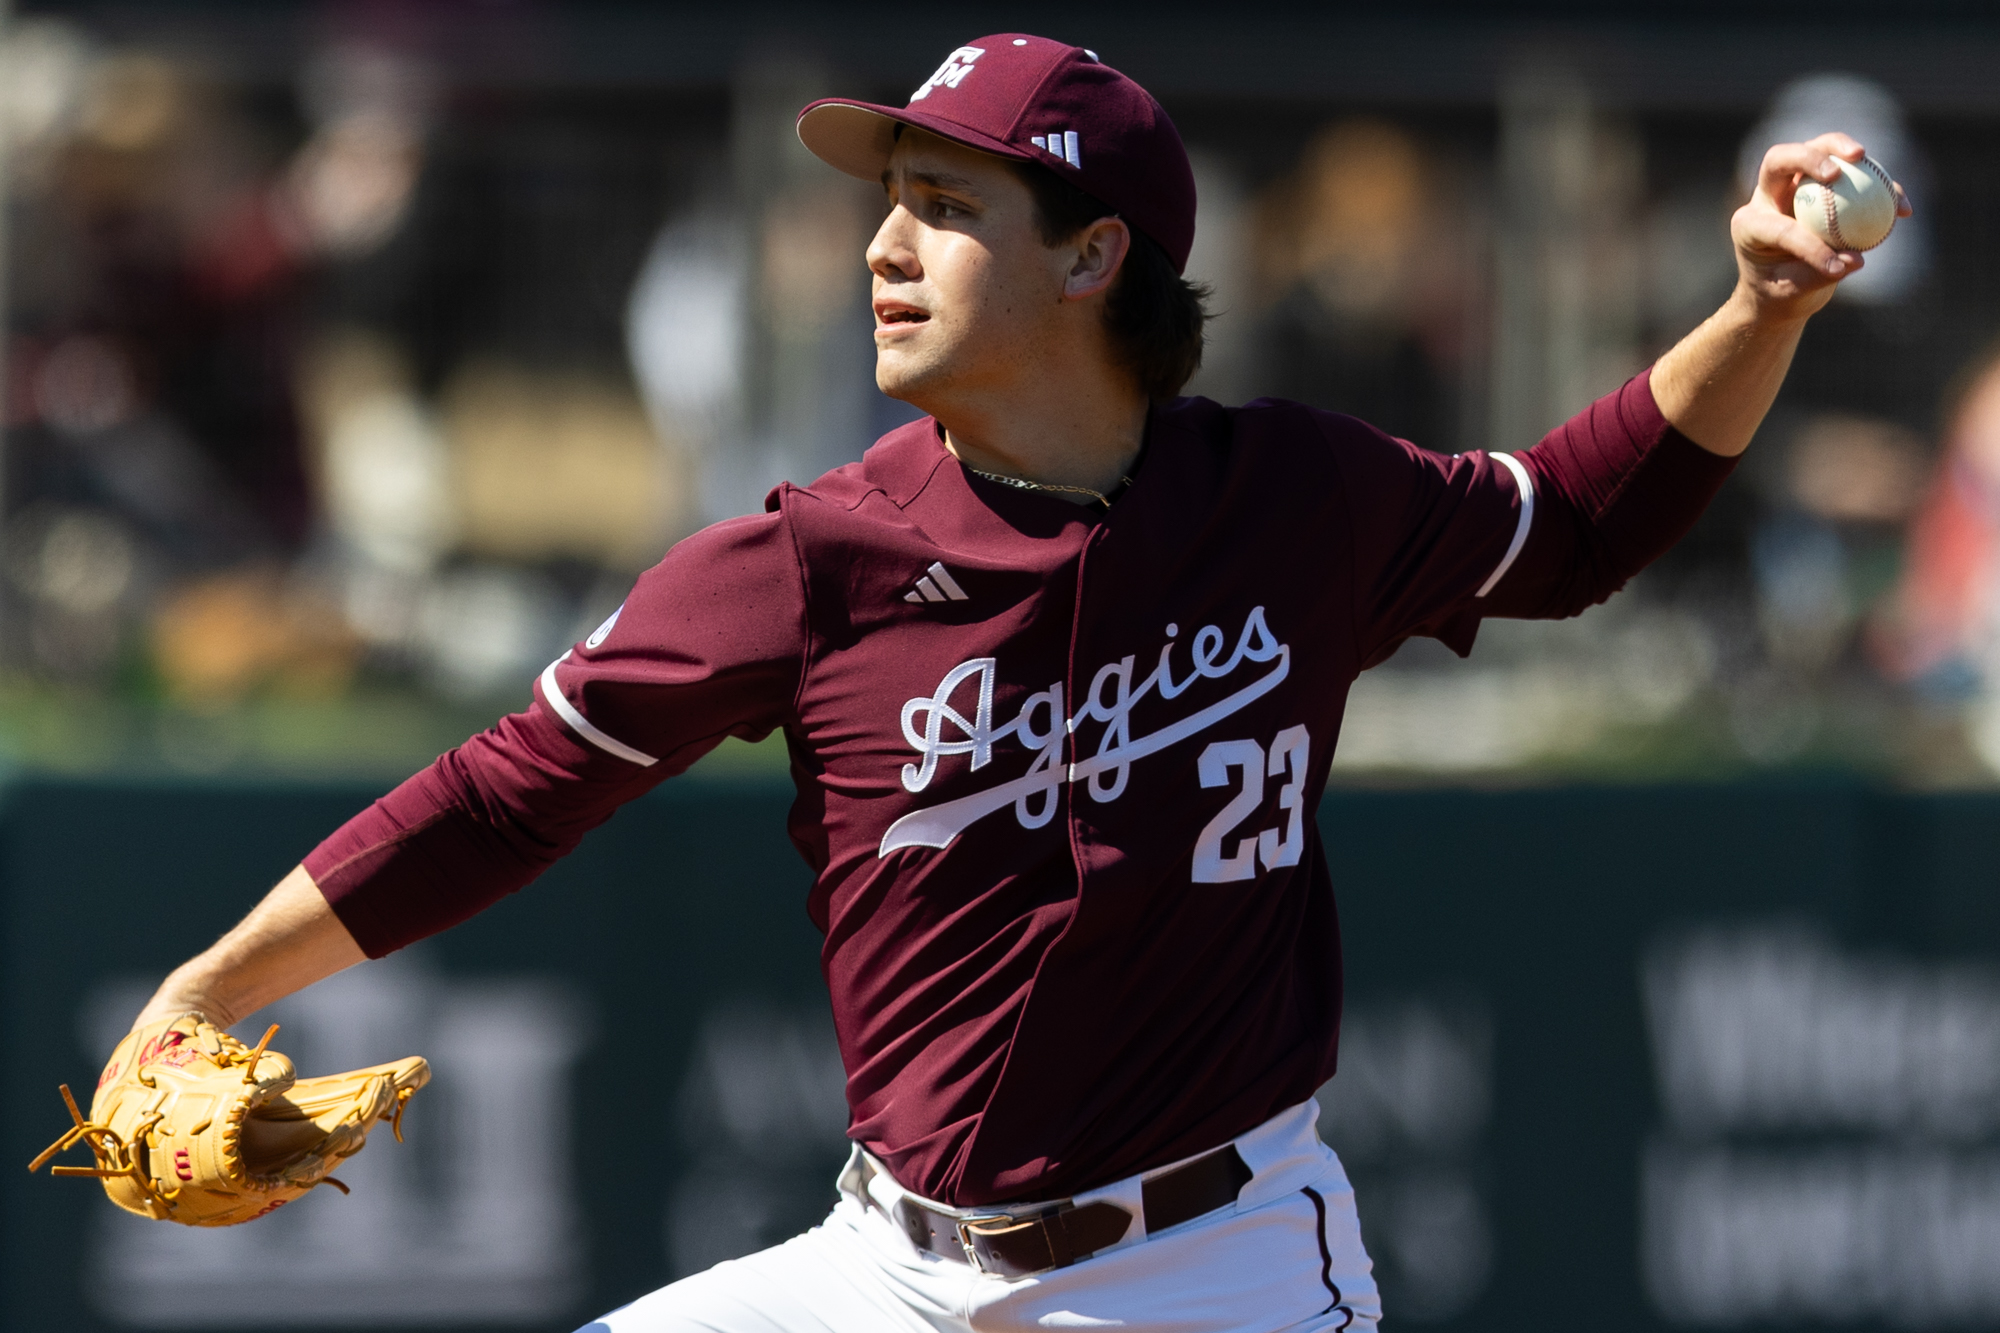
1286,1256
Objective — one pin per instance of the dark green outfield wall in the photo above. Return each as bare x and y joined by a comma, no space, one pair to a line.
634,1071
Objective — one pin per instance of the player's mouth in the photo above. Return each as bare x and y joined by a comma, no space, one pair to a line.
898,315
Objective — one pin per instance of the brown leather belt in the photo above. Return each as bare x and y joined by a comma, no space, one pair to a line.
1059,1234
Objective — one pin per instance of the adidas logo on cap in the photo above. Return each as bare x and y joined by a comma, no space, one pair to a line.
1062,144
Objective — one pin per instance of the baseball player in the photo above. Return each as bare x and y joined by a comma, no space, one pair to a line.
1060,667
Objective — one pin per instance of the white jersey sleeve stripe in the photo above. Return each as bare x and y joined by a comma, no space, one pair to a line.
1526,485
581,725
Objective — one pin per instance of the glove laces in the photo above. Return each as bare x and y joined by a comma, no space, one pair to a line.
116,1156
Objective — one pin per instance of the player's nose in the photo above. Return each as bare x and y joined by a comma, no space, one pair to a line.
892,255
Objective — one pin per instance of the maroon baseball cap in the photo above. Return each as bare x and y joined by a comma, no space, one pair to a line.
1033,100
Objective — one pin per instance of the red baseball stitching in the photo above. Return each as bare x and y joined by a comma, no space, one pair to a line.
1874,169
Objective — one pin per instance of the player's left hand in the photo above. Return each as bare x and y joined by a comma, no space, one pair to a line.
1785,271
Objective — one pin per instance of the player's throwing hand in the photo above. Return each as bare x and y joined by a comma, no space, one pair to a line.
1781,264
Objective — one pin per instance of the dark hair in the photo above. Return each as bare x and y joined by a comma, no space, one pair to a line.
1154,314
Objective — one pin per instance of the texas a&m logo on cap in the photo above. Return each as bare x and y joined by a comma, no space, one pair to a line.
951,73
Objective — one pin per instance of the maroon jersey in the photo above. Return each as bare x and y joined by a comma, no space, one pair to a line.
1056,766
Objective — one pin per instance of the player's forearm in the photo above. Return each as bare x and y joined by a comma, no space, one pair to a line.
483,821
1717,383
287,942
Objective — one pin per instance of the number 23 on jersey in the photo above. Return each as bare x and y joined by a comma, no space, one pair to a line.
1287,758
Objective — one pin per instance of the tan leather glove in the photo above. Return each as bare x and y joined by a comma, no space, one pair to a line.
190,1125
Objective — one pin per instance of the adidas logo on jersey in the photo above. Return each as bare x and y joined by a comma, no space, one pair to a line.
1062,144
937,585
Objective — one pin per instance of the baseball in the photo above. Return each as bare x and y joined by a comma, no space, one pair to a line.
1856,212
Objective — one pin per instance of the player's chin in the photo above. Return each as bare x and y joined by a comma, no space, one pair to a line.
901,374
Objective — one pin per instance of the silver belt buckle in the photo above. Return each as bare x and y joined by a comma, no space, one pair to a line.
963,1226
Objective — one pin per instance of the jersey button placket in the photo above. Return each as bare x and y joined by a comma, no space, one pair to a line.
1072,751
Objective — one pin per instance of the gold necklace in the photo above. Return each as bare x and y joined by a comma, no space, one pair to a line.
1020,484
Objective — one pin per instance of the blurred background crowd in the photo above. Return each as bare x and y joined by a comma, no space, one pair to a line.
358,355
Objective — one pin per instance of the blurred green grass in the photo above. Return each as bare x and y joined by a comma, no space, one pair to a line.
382,734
